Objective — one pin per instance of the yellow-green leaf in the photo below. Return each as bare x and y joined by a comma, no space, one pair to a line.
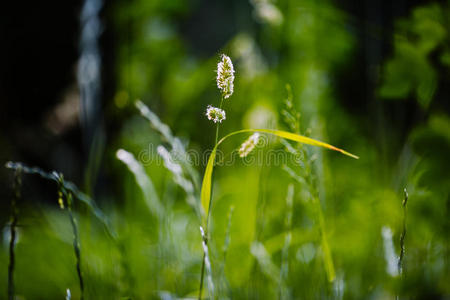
206,184
205,195
305,140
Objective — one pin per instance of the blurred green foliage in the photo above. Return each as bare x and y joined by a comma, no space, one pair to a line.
416,41
302,43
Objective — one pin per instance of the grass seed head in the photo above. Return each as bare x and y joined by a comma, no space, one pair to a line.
249,145
225,76
215,114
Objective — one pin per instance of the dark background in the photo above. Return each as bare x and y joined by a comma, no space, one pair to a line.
39,54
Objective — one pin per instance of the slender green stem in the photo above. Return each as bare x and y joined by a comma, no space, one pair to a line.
209,214
218,124
12,242
402,237
284,270
402,242
327,258
217,133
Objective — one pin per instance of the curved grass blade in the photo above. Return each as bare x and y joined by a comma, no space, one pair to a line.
177,146
143,180
205,194
69,186
293,137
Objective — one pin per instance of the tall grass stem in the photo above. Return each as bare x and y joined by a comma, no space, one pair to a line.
12,241
76,244
205,240
284,270
403,235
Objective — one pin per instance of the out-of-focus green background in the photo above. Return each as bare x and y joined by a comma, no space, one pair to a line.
371,77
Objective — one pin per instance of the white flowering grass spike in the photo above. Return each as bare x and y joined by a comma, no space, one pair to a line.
215,114
225,76
249,145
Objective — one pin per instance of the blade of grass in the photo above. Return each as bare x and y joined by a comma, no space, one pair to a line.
205,194
176,144
284,270
69,186
206,185
143,181
327,259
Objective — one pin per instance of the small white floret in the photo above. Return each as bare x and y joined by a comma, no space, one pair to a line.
215,114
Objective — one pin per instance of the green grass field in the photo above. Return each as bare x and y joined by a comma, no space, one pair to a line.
269,167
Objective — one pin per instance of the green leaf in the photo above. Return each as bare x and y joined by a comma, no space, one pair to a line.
206,184
304,140
205,195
